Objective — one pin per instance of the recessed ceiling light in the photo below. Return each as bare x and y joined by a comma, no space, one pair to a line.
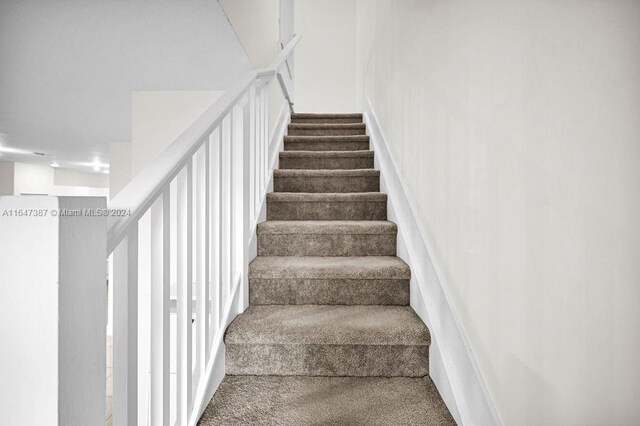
106,172
96,168
54,165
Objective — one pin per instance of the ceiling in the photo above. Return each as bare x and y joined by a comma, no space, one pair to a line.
69,68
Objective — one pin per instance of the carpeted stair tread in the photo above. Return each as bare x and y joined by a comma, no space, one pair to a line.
325,126
318,129
327,181
326,138
311,115
326,154
325,173
298,227
326,160
328,291
326,143
341,280
327,238
310,197
328,325
306,401
340,267
327,340
326,118
326,206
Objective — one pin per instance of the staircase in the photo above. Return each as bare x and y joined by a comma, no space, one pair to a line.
329,336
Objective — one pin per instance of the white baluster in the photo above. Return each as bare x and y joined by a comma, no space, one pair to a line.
230,206
238,191
160,282
215,150
246,206
260,169
256,148
185,282
250,126
202,255
125,330
265,117
225,141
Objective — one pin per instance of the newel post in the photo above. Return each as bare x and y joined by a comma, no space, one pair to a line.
53,281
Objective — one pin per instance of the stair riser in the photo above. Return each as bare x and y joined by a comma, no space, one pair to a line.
327,360
311,163
293,131
302,291
327,184
341,210
326,146
345,120
326,245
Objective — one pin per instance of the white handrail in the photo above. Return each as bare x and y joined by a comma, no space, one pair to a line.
139,194
221,166
282,57
145,187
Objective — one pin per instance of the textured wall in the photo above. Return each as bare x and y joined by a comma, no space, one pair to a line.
515,128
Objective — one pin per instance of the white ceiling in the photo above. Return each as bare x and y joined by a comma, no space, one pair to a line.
68,68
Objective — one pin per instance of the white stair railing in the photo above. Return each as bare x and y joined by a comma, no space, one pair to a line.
219,168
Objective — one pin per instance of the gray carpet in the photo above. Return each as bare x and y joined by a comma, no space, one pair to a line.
329,338
273,400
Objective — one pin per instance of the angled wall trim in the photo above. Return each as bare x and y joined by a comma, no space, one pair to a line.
453,366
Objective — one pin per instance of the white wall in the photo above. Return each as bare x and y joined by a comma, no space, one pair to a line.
79,184
32,312
120,166
159,117
325,59
257,26
515,128
52,321
78,191
32,179
64,177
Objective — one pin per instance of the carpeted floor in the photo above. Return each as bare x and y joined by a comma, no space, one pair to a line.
277,400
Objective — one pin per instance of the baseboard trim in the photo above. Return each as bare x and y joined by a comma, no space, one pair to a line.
452,365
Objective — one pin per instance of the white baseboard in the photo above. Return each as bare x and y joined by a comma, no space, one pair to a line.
216,367
452,364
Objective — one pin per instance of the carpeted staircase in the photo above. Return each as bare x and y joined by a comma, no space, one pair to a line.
329,337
